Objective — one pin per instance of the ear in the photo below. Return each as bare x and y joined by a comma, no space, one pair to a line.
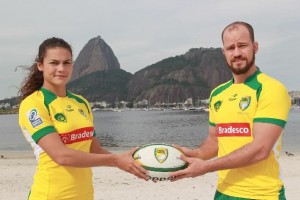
40,66
255,46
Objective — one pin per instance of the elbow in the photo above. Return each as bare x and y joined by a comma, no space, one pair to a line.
61,159
263,154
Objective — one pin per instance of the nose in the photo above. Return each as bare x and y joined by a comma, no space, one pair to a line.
61,67
237,52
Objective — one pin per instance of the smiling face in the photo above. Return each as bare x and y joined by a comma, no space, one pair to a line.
239,50
57,69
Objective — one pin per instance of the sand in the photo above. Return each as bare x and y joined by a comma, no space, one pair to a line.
17,169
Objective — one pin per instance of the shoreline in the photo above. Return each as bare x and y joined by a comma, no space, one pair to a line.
113,184
28,154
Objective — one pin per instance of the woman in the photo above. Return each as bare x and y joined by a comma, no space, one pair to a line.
59,126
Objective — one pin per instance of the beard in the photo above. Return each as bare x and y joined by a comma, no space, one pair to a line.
241,69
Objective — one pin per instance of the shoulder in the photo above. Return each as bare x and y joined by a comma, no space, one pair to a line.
221,88
77,97
267,80
36,98
270,84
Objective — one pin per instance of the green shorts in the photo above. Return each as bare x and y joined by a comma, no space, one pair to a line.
220,196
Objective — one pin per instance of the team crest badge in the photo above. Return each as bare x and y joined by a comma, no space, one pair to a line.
217,105
161,154
60,117
245,102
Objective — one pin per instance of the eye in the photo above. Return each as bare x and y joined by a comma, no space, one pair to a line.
230,48
67,63
243,45
53,63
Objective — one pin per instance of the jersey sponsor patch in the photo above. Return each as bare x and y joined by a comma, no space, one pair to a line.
78,135
34,118
233,129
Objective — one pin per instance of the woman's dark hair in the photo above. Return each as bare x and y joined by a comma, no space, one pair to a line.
35,79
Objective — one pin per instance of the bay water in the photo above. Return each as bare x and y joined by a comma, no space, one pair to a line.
127,129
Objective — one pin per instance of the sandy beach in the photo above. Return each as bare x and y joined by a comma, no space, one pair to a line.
17,169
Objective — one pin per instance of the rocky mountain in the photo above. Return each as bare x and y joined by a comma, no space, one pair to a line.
98,77
96,55
109,86
191,75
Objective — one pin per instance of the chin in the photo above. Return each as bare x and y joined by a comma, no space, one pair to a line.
238,70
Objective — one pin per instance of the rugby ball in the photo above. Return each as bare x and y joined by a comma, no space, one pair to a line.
159,160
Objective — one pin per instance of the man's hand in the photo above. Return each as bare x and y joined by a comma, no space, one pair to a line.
196,167
186,151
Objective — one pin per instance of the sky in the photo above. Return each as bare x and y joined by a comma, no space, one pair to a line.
144,32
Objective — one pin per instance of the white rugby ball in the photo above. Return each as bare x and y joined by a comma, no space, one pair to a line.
159,160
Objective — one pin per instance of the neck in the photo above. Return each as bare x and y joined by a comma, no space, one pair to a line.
58,91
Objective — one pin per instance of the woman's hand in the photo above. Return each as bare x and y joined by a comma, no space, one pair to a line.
126,163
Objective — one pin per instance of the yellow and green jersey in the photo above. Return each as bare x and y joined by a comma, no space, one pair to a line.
233,110
42,113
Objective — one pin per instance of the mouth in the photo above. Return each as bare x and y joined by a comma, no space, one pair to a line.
60,76
238,60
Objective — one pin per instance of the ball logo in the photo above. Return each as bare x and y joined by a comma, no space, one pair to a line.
161,154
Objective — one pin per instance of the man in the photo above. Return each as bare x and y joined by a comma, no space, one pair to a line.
246,119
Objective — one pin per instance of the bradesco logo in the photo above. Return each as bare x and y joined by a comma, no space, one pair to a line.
233,129
77,135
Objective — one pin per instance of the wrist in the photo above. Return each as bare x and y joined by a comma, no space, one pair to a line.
210,166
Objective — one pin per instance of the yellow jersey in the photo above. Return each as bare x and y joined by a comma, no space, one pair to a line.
42,113
233,110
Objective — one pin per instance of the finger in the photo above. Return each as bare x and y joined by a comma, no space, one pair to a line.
179,173
177,147
139,171
176,178
140,168
139,174
184,150
185,158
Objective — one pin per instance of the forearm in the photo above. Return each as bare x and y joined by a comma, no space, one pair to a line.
97,148
207,150
246,155
264,138
76,158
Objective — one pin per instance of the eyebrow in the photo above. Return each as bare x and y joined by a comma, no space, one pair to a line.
238,43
